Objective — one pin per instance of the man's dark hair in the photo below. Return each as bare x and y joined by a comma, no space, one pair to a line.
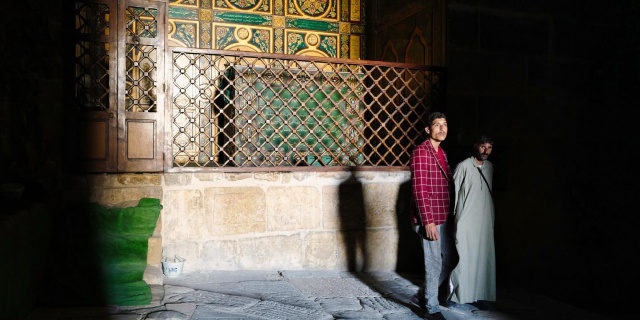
483,138
433,116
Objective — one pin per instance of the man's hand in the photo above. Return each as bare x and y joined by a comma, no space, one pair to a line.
431,231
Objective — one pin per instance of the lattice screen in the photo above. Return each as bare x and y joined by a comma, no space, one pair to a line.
92,57
238,109
141,59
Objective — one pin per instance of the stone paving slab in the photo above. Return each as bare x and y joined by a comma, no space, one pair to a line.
381,305
333,287
301,295
404,316
294,300
223,302
333,305
358,315
167,315
274,310
205,312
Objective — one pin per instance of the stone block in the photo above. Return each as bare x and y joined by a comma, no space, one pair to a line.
336,175
381,249
123,180
158,230
320,251
237,176
366,175
209,176
293,208
182,215
146,179
303,175
184,308
343,207
220,255
153,275
352,250
113,196
370,250
177,179
380,202
154,253
399,176
234,210
267,176
288,177
157,294
271,252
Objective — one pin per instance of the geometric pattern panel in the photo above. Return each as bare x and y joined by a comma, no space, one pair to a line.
141,60
92,57
197,24
263,110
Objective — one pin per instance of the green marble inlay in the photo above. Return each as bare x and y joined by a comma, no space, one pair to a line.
186,33
261,39
245,18
328,45
224,37
294,126
311,25
183,13
296,42
191,3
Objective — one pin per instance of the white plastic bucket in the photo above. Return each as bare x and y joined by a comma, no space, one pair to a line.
172,268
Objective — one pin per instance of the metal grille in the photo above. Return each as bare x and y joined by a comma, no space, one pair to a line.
141,22
92,18
239,109
141,75
141,60
92,57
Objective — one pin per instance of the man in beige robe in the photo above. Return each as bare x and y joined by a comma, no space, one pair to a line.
474,278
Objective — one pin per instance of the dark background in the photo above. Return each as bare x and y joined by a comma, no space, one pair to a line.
554,82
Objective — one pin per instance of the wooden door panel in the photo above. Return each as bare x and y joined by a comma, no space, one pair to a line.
95,65
141,88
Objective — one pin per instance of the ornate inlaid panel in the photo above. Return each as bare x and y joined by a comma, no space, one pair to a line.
326,28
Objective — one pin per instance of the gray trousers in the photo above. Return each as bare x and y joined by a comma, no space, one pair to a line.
439,260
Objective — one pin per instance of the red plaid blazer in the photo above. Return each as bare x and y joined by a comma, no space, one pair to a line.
430,185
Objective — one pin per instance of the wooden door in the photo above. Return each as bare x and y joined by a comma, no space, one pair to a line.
95,64
141,88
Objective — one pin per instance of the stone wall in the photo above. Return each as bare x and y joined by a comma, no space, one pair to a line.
284,220
271,220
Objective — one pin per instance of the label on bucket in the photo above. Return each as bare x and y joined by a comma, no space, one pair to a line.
172,269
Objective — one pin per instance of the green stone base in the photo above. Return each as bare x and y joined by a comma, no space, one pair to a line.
104,255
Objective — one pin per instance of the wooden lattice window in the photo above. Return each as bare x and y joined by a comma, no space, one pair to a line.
237,109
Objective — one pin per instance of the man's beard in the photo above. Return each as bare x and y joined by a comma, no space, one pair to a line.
481,156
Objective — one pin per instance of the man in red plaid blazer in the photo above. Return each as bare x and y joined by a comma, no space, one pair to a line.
431,179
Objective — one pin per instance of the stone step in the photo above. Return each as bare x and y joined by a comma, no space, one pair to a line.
153,275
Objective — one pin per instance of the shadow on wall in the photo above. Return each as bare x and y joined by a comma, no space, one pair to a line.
353,226
359,254
410,255
353,223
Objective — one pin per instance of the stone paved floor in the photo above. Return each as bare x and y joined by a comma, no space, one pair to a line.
305,295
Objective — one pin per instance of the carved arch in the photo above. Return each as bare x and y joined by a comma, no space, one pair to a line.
390,47
417,34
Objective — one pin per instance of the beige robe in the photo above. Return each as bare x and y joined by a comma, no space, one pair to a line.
474,278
